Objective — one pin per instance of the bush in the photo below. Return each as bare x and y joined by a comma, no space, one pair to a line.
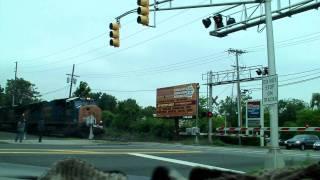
107,118
121,123
163,128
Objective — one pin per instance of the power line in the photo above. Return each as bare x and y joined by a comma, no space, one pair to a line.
298,82
56,90
67,49
297,42
156,68
102,47
161,71
292,83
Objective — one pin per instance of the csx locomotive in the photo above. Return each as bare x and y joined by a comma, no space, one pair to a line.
62,116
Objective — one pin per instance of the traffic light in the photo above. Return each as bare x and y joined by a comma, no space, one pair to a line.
218,20
114,34
231,21
209,114
259,72
206,22
265,71
143,11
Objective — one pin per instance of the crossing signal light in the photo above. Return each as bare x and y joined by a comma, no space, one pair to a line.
218,20
114,34
206,22
143,11
209,114
259,72
231,21
266,71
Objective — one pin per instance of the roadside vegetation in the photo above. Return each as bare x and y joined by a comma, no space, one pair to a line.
127,120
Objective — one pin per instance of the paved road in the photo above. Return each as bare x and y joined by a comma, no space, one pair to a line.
137,159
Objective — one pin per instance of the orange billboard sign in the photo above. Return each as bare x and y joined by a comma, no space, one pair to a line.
177,101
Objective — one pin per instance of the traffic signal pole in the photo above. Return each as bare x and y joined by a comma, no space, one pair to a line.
277,161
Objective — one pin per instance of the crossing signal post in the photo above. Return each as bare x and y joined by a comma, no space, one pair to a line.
114,34
143,11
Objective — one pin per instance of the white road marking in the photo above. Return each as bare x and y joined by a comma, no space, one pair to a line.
186,163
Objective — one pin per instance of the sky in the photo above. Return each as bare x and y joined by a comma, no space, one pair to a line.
46,37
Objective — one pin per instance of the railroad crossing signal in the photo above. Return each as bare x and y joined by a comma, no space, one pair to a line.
114,34
143,11
218,20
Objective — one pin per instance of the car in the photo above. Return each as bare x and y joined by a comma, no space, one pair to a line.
316,145
301,141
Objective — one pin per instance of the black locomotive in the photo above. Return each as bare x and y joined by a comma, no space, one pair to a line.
62,116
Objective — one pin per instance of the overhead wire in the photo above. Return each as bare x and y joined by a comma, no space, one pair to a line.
54,91
101,47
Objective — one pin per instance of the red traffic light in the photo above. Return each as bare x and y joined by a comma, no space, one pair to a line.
218,20
209,114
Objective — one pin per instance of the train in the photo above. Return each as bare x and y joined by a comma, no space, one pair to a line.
65,117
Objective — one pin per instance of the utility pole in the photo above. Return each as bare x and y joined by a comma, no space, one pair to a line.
277,161
14,84
237,53
210,107
72,80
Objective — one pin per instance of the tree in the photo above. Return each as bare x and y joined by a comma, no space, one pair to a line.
128,112
105,101
308,117
83,90
24,91
148,111
2,97
288,110
229,106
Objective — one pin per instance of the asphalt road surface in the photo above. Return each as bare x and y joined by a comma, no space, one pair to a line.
137,160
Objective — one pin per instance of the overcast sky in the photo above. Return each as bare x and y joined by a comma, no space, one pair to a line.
47,36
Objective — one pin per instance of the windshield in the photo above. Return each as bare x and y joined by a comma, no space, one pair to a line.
158,87
300,137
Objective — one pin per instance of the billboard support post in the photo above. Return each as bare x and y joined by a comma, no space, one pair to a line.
197,114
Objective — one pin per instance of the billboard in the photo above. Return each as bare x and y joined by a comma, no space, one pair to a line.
253,114
177,101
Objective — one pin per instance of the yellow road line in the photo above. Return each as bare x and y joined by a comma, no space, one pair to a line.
95,153
40,149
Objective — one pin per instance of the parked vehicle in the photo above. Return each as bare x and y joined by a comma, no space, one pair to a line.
301,141
316,145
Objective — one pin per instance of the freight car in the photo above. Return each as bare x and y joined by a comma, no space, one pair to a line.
62,116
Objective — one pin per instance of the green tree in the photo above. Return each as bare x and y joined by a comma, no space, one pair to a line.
308,117
128,112
229,106
83,90
2,97
148,111
105,101
288,110
25,92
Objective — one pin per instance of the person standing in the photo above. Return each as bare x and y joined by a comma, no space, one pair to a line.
21,129
41,129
